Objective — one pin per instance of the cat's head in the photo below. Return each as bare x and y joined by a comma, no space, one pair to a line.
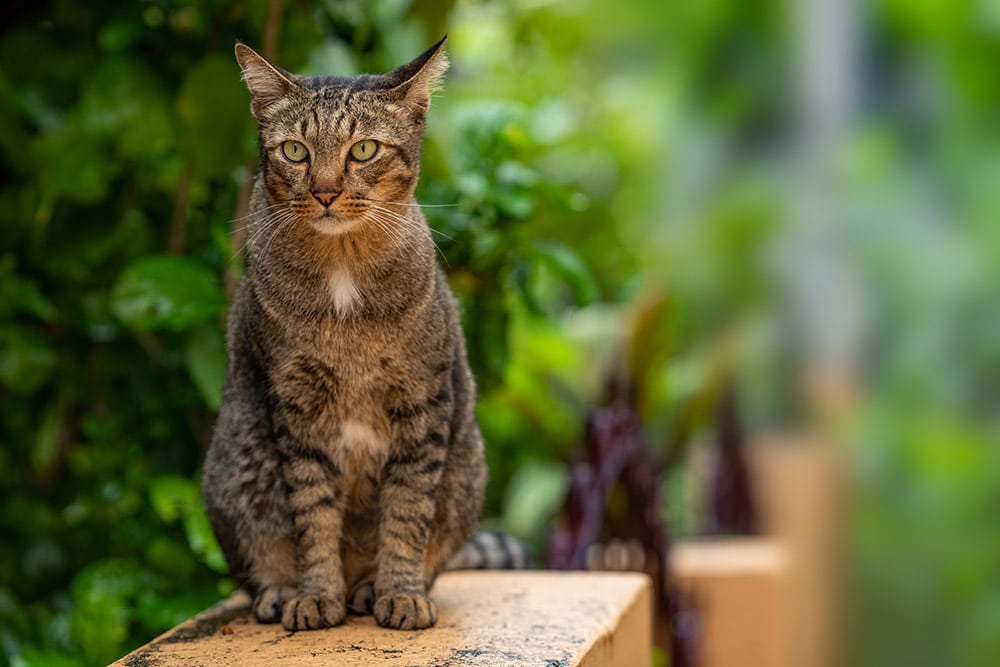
339,153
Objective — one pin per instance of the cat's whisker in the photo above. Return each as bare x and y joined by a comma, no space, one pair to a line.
410,204
274,219
404,220
393,215
407,220
257,218
259,210
401,220
248,219
389,212
440,233
291,217
391,230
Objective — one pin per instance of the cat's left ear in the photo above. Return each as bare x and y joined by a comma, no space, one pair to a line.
414,82
267,83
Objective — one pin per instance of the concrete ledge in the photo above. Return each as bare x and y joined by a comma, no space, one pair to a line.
739,588
505,619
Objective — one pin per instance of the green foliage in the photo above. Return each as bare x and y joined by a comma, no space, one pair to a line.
208,103
161,292
177,498
123,161
609,185
484,150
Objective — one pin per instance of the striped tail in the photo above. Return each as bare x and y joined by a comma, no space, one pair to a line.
491,551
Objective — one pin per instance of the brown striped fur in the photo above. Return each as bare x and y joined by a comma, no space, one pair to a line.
346,467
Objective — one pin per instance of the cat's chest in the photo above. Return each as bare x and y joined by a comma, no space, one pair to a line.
328,390
336,408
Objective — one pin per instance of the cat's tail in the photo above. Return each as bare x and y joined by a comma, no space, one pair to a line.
491,551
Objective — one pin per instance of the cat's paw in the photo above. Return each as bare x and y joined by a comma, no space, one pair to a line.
312,612
404,611
270,601
361,601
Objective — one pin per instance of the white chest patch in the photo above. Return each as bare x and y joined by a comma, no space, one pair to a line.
343,291
361,440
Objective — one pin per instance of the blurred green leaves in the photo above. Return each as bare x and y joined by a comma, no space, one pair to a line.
205,360
212,109
534,495
178,498
26,357
166,292
111,351
26,360
102,595
493,186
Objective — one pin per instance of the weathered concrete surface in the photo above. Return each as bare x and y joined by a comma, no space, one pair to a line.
549,619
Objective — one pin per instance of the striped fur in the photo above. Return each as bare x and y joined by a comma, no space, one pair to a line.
346,466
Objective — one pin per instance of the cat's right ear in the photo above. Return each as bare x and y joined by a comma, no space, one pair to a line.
267,83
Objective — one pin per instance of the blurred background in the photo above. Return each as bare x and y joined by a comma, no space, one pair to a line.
675,227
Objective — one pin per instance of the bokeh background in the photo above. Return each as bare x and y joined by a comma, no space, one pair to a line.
795,201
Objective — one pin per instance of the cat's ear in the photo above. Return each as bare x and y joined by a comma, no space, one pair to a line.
414,82
267,83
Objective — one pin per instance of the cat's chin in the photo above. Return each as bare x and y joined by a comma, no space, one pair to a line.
332,226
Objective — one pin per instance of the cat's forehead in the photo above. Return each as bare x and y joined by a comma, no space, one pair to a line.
337,108
360,94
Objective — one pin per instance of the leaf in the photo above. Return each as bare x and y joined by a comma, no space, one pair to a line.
160,613
213,108
73,164
47,438
32,657
513,201
102,595
201,539
168,495
124,104
174,497
485,323
26,359
205,359
13,615
19,294
568,266
535,492
166,292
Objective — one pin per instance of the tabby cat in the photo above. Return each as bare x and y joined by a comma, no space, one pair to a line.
346,466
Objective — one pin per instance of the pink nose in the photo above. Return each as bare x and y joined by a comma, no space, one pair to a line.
325,198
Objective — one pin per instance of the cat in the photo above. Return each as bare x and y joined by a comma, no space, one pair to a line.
346,466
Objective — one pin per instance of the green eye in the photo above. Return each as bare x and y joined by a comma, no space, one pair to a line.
294,151
364,150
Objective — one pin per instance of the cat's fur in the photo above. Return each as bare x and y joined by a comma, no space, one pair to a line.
346,465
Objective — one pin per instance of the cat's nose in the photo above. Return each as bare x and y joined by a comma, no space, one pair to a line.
326,198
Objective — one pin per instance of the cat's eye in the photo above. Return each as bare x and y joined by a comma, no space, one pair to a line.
294,151
364,150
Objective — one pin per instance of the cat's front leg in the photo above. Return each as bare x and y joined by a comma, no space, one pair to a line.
316,500
407,498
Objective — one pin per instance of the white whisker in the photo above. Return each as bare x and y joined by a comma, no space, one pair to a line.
408,220
249,217
390,215
281,226
410,205
272,220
